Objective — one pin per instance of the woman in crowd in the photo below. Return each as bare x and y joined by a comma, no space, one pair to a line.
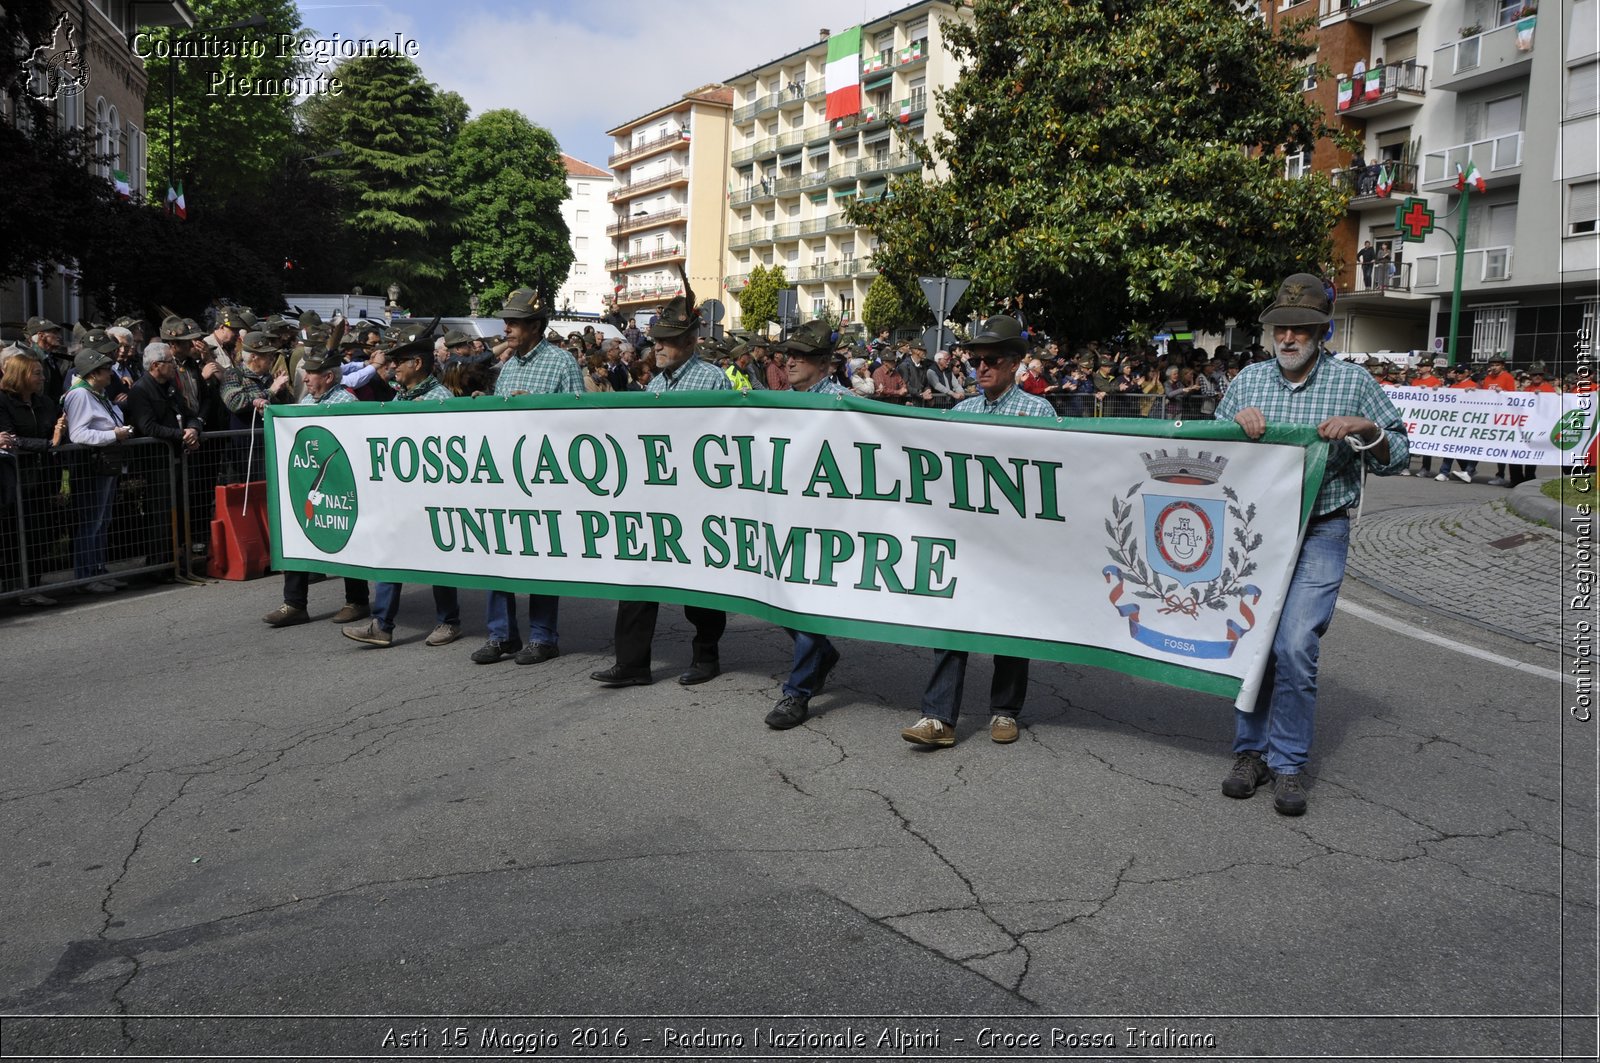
30,424
861,380
594,373
94,421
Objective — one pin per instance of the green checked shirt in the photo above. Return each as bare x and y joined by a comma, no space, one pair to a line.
692,375
1335,388
430,390
1014,403
545,370
828,386
332,397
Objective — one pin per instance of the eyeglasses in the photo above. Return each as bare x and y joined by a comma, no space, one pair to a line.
989,359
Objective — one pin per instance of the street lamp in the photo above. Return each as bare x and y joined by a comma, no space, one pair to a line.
172,83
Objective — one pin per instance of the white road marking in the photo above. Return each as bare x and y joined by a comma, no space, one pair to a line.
1371,616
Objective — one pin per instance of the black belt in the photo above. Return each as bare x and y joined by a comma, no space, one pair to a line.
1343,511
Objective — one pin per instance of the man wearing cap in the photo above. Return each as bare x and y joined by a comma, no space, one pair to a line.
1307,386
412,359
678,369
460,350
887,383
322,389
1460,380
997,349
45,344
94,421
156,410
533,366
810,369
1496,378
1429,377
224,337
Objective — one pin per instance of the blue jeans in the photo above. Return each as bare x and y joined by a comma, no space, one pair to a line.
92,495
386,605
813,654
501,616
942,699
1470,467
1286,707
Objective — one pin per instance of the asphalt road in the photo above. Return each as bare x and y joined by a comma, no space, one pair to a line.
207,817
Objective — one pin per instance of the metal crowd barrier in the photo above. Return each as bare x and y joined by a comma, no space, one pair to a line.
80,515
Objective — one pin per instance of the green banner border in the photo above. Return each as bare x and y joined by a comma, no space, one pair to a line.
1315,449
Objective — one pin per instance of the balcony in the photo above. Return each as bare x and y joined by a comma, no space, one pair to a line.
747,194
1368,11
844,173
755,149
659,293
1396,284
888,162
643,258
661,142
838,223
750,237
644,221
1485,58
738,282
797,92
812,226
1362,185
786,186
877,61
813,179
1499,162
745,113
628,191
1484,265
1396,87
791,139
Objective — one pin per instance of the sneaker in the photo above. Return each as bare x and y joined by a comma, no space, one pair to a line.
352,611
443,635
1499,481
1463,475
1442,477
790,711
1248,772
831,659
538,653
618,676
286,616
1002,729
1288,796
99,587
494,650
1405,472
930,732
370,633
37,599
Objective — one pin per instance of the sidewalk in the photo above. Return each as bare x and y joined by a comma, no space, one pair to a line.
1479,562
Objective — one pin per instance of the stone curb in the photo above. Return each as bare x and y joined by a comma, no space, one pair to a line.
1529,503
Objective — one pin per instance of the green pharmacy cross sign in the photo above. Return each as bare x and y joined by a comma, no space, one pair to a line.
1414,220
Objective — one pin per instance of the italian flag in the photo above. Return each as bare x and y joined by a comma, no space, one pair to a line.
1374,87
1470,176
1346,91
1385,181
905,111
120,180
842,75
176,203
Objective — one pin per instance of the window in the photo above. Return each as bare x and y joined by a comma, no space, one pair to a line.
917,30
882,42
1583,200
1583,90
580,267
1308,77
580,296
580,243
847,306
583,215
1508,11
1491,330
1591,310
819,306
581,189
1294,165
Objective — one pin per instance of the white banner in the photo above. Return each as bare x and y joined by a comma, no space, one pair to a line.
1523,428
1120,543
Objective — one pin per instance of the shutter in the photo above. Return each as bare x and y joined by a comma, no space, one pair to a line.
1583,89
1400,47
1502,225
1583,204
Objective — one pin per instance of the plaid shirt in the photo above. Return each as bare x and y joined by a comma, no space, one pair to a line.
692,375
1335,388
828,386
332,397
1014,403
545,370
430,390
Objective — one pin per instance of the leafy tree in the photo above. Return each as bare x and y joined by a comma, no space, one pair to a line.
887,306
509,182
758,302
1114,161
386,135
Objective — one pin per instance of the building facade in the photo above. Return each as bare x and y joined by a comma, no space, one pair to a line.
669,204
792,172
103,95
1433,88
587,212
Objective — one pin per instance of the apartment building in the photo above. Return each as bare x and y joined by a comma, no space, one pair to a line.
793,172
1431,86
587,213
670,200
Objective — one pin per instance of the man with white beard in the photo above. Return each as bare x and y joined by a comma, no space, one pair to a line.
1306,385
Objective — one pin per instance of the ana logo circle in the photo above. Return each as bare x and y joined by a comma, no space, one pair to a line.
1185,536
322,489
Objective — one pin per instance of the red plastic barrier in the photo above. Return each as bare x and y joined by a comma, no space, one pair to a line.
239,543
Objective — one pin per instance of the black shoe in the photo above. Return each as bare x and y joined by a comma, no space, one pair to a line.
700,672
493,651
1248,772
790,711
538,653
827,668
618,676
1288,796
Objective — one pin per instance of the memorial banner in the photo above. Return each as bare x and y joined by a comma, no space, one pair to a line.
1520,427
1160,550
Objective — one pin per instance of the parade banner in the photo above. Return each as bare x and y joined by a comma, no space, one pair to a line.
1523,428
1159,550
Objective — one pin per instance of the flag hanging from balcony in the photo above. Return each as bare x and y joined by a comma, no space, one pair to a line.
1525,33
905,111
176,203
1470,176
1385,181
1346,92
1374,87
842,76
120,180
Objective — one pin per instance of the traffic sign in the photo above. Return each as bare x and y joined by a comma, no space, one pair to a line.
943,293
937,338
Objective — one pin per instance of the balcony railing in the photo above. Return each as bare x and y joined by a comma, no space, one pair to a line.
643,258
812,226
887,161
755,148
1485,264
655,143
1495,158
650,294
1484,58
738,282
1385,278
1369,10
749,237
1366,188
637,187
644,221
1384,89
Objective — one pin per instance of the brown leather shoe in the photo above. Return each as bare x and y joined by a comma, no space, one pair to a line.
1002,729
351,612
369,633
285,616
930,732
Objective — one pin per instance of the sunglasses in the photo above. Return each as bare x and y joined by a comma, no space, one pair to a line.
989,359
